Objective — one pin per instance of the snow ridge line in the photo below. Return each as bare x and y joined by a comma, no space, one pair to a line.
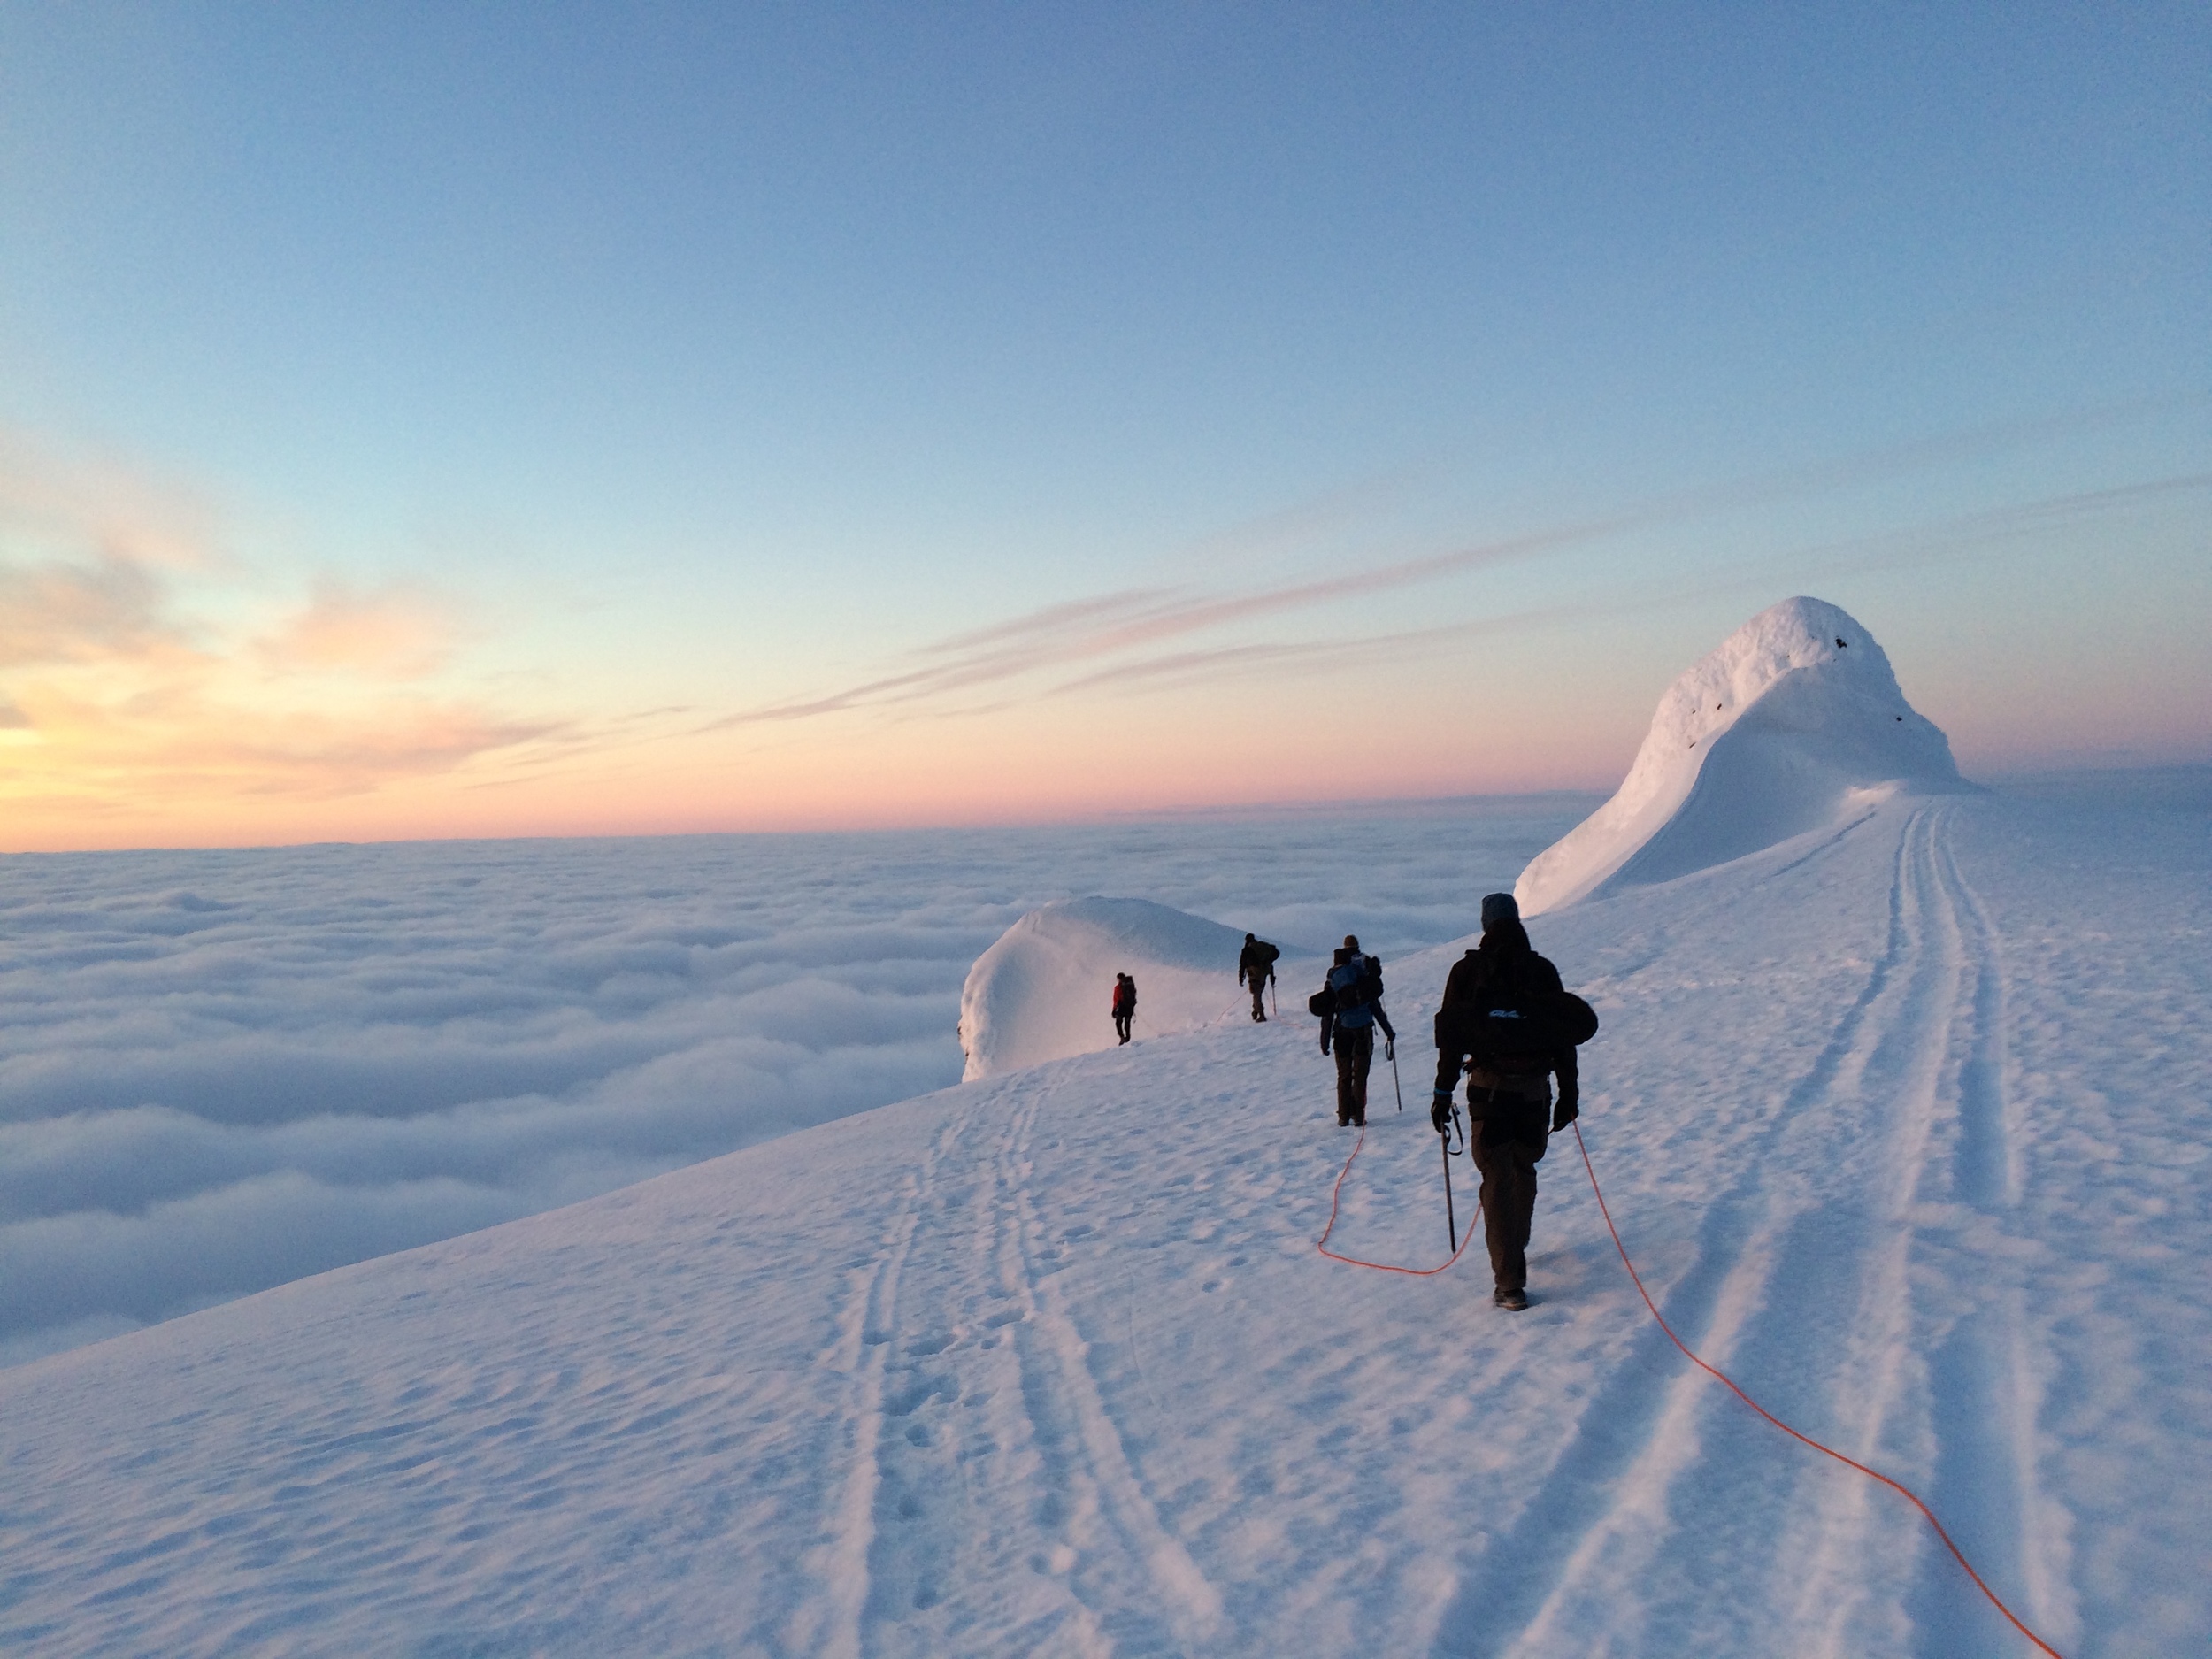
1723,1378
1336,1192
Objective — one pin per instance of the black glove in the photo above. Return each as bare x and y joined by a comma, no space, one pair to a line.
1440,1111
1569,1109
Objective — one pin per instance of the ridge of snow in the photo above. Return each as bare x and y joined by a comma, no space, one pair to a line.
1795,722
1044,988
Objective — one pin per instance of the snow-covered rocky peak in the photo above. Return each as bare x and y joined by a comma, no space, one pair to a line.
1044,990
1792,721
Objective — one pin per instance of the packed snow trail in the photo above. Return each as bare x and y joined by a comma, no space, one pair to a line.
1583,1149
1905,1125
1804,1281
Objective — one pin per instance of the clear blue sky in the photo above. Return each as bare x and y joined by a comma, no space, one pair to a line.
622,373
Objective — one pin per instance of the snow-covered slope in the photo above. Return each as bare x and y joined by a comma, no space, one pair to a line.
1044,990
1047,1363
1793,723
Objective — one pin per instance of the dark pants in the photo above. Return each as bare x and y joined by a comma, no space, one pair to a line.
1355,1053
1509,1139
1259,998
1121,1024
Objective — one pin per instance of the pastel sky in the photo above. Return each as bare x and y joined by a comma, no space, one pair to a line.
443,419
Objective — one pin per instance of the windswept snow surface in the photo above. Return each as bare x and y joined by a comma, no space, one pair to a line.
1795,723
1044,990
1908,1128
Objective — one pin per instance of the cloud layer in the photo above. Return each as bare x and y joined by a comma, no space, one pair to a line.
219,1071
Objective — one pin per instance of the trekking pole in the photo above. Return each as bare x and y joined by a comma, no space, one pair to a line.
1451,1224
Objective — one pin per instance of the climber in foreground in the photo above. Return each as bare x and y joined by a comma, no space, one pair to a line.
1499,1019
1350,1005
1125,1005
1255,967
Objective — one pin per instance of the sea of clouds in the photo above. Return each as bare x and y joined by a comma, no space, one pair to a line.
221,1071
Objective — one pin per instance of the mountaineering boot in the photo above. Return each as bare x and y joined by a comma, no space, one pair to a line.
1512,1301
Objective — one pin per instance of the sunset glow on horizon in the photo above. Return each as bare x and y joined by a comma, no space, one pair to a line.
548,421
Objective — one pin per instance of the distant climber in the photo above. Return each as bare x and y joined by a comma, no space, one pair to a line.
1255,967
1500,1019
1350,1006
1125,1005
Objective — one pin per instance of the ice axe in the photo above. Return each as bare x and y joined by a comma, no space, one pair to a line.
1390,1049
1444,1146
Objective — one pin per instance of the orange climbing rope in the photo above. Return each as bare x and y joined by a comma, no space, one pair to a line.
1907,1493
1322,1243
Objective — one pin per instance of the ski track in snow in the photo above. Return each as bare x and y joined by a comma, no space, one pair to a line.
1048,1365
1802,1288
866,1332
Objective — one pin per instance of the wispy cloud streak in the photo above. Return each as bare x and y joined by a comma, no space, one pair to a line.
1082,630
1132,620
1964,536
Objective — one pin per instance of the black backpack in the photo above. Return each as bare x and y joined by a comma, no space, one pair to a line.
1509,1031
1517,1032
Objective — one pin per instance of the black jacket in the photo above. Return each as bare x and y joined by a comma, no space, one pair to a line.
1501,962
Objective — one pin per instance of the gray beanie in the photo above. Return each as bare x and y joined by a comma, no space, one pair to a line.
1498,907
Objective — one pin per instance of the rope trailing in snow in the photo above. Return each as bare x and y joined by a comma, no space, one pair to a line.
1910,1495
1322,1243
